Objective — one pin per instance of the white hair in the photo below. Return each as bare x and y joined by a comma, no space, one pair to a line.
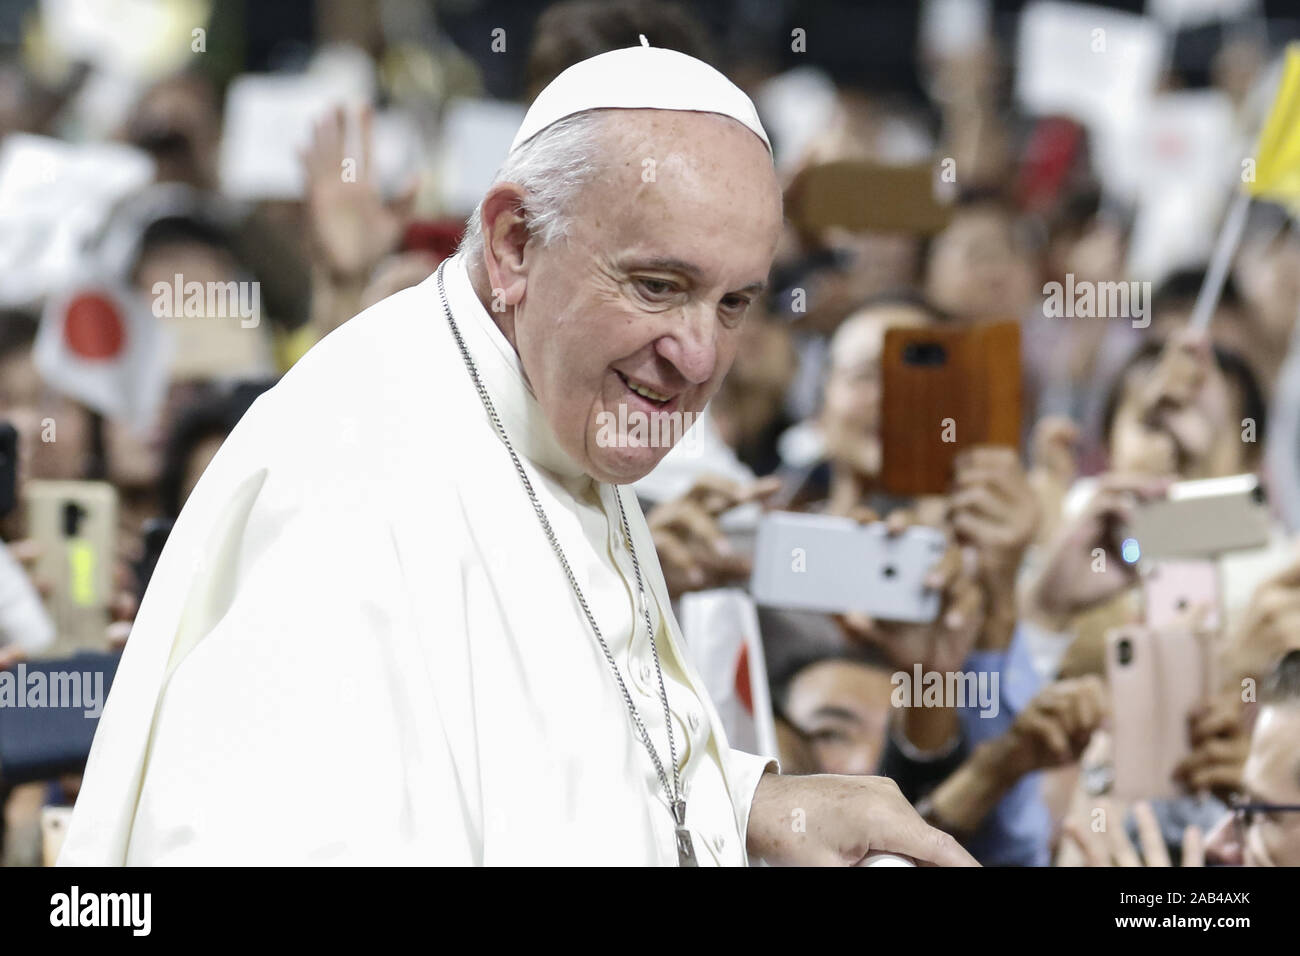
551,167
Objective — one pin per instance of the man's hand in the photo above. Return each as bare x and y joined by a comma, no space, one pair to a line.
1054,442
994,510
692,547
1269,628
1186,407
993,507
1220,745
829,820
1057,725
1076,578
943,644
1112,847
352,227
1052,731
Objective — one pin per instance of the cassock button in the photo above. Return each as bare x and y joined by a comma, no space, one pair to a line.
646,673
719,842
694,719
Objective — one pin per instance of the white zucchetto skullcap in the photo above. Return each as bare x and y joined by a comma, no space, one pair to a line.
639,77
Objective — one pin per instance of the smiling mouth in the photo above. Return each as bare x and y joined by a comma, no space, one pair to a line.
657,399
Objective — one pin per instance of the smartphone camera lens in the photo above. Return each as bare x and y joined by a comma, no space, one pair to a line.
889,571
1125,649
929,354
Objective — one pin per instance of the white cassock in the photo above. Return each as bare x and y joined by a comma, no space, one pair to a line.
359,647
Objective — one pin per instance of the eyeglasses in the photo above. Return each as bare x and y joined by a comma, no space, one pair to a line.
1244,811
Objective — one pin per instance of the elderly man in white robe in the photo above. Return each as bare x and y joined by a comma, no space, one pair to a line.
412,613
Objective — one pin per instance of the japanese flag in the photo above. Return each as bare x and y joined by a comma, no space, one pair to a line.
721,629
101,345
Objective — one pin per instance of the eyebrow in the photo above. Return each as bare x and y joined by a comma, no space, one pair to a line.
671,264
832,711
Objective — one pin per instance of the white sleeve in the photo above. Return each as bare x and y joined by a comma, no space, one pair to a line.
745,770
300,729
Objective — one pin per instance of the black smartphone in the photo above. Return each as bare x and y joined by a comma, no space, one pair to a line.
8,468
155,533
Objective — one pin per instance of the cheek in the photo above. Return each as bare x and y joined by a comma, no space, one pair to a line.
1259,849
728,345
1283,845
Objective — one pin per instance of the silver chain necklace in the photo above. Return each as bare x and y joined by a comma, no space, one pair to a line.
676,800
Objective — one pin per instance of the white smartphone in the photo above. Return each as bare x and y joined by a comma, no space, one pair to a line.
836,565
1199,519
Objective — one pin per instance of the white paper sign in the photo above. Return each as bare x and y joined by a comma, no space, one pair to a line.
1189,13
952,27
140,38
1097,66
796,106
54,196
476,136
1183,166
269,122
1086,62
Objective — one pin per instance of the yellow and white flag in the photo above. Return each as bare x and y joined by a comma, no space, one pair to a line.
1277,155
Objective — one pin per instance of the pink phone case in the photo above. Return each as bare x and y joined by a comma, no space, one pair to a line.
1156,679
1172,589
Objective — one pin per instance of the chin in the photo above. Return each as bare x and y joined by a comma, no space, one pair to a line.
622,466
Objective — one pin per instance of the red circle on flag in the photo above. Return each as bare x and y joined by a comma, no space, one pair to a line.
94,328
743,689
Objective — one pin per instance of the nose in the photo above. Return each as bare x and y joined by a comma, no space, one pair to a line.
1223,845
691,344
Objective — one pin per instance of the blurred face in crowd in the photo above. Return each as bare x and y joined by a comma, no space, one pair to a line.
52,434
978,268
135,460
1268,273
754,390
850,417
203,343
1271,775
1095,254
178,123
1179,415
198,462
765,361
642,304
20,393
867,263
840,711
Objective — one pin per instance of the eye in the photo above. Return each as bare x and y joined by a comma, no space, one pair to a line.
734,308
655,289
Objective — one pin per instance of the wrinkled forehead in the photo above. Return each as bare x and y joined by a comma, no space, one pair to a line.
654,125
677,182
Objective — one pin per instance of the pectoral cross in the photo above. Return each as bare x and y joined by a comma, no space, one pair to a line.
685,848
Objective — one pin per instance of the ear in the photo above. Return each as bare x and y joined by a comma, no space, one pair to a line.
505,236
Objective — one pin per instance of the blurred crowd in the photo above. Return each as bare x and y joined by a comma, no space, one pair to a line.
326,155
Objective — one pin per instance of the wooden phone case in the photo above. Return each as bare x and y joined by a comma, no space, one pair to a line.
973,397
